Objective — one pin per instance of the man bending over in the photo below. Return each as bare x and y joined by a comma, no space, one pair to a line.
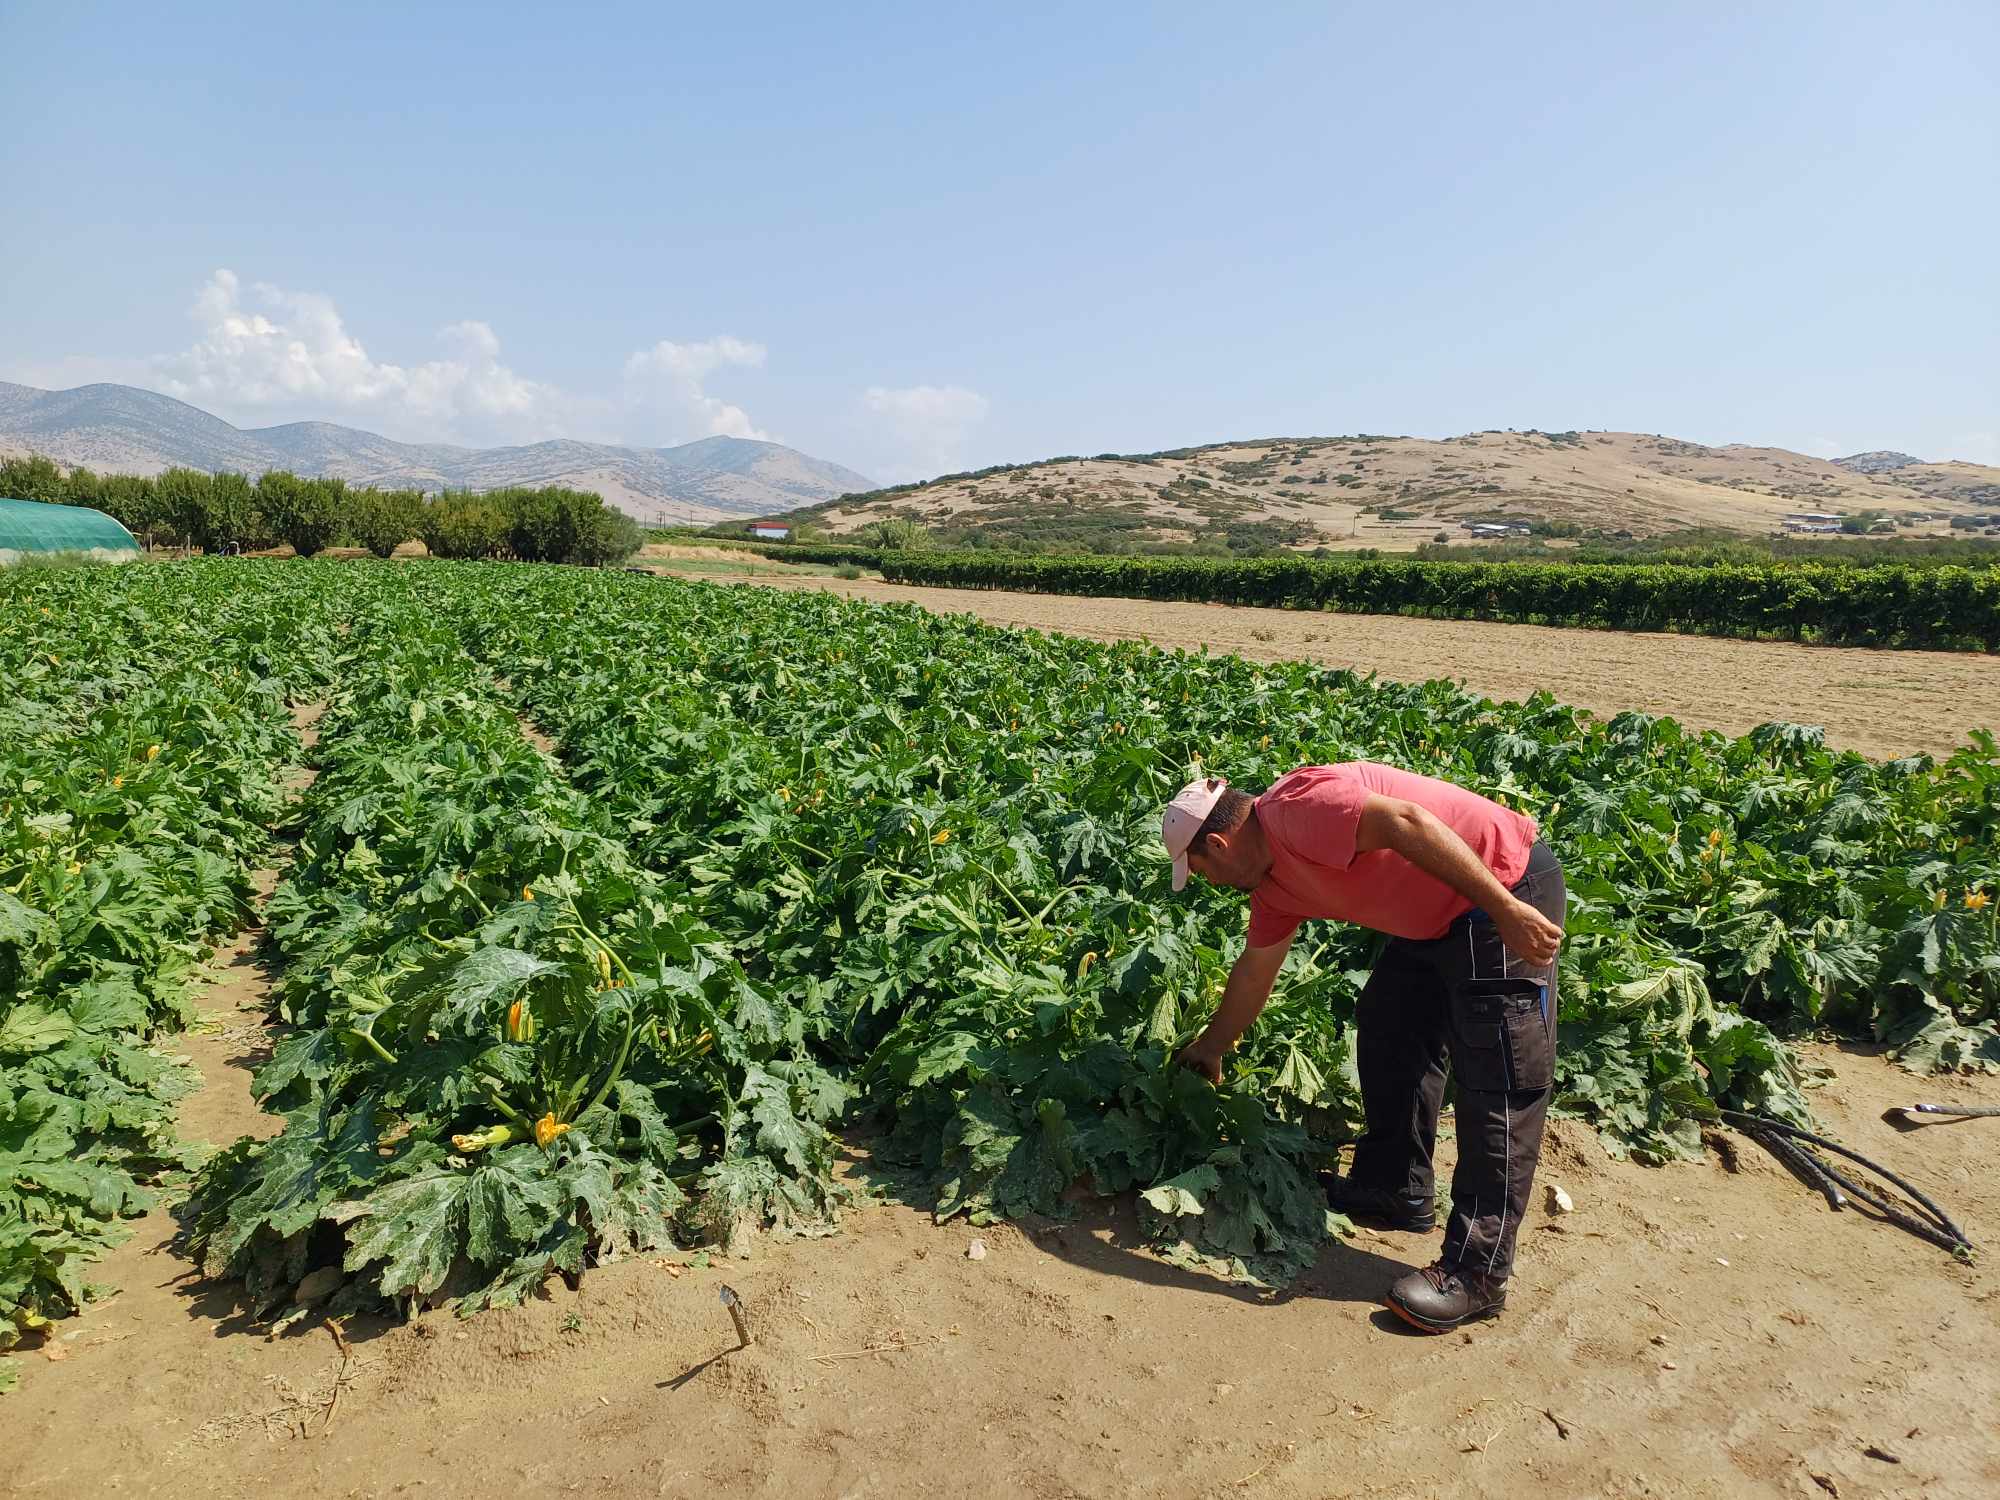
1472,902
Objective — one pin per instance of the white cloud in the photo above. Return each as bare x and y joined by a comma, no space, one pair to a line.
672,375
926,427
267,354
291,352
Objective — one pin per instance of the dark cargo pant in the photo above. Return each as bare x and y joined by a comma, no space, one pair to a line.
1465,997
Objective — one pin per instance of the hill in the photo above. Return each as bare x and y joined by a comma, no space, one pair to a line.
1397,493
121,429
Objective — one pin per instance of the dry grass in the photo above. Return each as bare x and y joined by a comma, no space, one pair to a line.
660,551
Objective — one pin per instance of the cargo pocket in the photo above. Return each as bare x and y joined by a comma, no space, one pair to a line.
1499,1036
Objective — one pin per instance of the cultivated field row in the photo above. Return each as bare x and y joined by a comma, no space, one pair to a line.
802,861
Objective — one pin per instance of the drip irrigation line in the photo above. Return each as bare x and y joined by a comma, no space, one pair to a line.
1916,1194
1793,1147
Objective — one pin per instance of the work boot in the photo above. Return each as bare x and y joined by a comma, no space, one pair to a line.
1440,1297
1397,1210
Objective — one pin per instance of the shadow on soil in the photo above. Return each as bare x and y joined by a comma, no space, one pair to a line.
226,1306
1103,1234
692,1372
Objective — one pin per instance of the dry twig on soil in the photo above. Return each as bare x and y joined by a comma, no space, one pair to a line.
339,1379
895,1344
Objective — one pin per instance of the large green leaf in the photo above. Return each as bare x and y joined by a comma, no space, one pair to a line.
487,976
1182,1194
415,1227
511,1199
32,1028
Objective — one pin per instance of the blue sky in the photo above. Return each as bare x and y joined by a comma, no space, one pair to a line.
910,240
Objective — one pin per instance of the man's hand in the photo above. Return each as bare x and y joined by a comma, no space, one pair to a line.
1250,979
1528,934
1205,1057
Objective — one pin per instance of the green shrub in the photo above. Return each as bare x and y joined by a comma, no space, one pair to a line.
33,478
458,524
382,520
896,534
600,533
307,514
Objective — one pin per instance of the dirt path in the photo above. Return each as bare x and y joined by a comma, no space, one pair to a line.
1685,1331
1882,703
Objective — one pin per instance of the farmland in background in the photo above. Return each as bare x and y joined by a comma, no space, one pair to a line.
1939,606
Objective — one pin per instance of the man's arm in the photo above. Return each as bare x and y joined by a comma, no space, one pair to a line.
1426,842
1243,998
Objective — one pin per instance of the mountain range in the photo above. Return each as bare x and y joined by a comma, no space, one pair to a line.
1362,491
122,429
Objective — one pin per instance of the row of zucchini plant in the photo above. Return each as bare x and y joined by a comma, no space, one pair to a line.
515,1050
142,741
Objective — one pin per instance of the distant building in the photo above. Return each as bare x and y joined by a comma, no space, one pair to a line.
771,531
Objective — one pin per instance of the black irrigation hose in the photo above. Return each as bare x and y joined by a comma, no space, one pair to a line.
1916,1195
1788,1143
1950,1240
1777,1128
1804,1166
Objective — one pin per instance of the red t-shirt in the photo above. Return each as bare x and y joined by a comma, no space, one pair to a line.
1310,819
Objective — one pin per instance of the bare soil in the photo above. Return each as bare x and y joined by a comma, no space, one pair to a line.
1686,1330
1881,703
716,564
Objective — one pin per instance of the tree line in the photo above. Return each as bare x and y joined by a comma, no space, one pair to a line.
214,512
1947,607
1712,548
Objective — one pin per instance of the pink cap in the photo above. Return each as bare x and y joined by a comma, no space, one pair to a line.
1183,819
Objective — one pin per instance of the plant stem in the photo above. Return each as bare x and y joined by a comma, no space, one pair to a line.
617,1067
376,1047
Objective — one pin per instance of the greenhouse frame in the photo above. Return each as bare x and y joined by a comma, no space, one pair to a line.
31,529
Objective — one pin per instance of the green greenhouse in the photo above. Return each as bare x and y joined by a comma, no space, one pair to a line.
31,529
